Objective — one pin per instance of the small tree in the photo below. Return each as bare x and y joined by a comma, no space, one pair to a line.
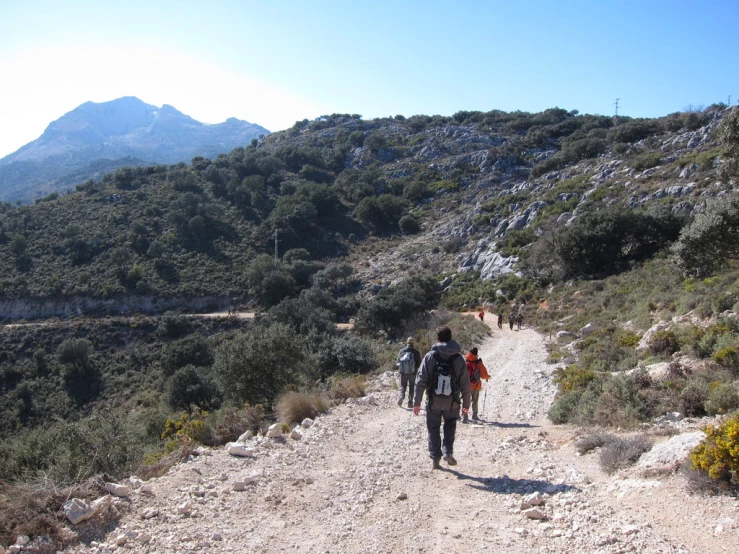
188,389
75,352
707,244
256,366
191,350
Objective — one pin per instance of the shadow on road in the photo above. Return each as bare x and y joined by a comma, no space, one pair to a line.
506,485
503,425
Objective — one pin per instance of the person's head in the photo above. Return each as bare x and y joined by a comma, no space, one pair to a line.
444,334
410,341
473,350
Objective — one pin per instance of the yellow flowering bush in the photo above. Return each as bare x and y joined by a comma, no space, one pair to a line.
718,454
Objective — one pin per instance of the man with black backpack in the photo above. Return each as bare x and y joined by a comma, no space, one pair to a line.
408,361
443,377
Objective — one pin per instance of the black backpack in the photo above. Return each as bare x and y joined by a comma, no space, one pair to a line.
444,381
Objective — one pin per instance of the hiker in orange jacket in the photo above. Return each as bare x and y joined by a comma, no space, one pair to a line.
478,372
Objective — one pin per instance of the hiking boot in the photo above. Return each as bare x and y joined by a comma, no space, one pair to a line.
464,419
475,418
400,402
435,463
449,459
410,405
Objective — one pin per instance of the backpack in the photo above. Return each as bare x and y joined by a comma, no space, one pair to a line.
474,370
444,383
407,362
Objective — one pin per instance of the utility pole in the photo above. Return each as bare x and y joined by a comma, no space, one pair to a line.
615,117
277,260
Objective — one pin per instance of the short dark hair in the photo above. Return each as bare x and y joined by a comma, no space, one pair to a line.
444,334
473,350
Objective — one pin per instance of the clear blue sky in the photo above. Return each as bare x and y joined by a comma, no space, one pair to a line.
275,62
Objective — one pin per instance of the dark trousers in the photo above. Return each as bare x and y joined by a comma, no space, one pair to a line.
409,382
437,448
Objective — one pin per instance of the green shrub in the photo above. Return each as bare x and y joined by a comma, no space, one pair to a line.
564,407
346,354
257,365
394,306
693,397
188,390
711,240
191,350
664,343
620,403
173,326
722,399
67,453
646,161
409,225
573,378
727,358
718,454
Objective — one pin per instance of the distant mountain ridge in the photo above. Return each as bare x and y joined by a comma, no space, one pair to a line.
113,134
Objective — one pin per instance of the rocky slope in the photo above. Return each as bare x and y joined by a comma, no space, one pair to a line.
359,480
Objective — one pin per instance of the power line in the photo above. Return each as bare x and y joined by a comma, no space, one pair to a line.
277,259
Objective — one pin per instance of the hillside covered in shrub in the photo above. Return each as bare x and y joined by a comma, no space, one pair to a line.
602,227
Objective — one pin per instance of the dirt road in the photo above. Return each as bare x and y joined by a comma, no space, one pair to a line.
360,481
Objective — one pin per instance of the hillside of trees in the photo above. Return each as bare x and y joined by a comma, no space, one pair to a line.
619,224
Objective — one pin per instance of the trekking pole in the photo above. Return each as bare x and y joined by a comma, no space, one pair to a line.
484,398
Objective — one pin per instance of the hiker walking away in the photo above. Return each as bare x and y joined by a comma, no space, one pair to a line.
519,320
408,361
500,320
443,376
511,320
477,372
481,315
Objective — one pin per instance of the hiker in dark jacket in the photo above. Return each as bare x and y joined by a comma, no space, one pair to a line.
407,380
440,406
500,320
511,320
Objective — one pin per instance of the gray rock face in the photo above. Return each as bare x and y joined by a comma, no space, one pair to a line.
668,455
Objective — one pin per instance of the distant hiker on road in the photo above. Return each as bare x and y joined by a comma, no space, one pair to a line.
500,320
481,315
408,361
519,320
477,372
444,378
511,320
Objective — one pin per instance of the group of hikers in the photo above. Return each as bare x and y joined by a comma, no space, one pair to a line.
513,318
450,380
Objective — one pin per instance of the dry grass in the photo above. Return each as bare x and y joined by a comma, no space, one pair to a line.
160,466
348,387
623,452
234,423
33,509
294,407
699,482
593,440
